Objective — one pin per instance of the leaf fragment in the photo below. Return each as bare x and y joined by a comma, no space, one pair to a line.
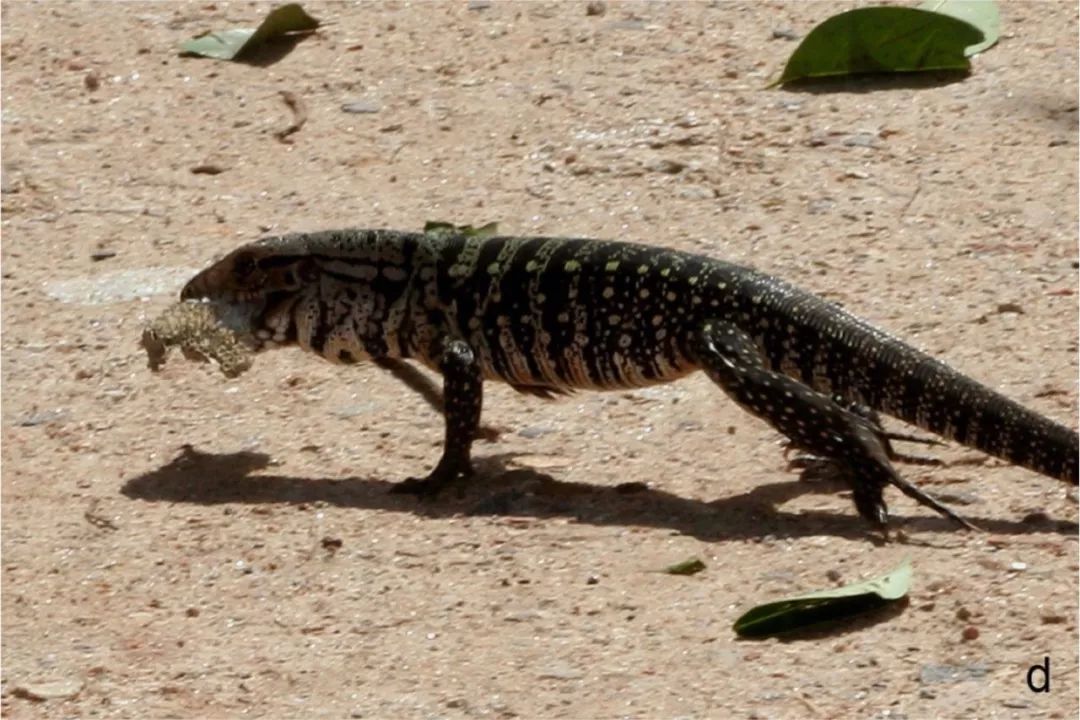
235,43
442,228
803,611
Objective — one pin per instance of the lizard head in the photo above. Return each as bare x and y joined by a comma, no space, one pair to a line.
251,273
258,284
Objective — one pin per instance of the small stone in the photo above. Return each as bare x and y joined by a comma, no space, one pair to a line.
99,255
784,34
1053,619
1018,704
522,616
933,674
595,8
669,167
207,169
41,418
697,192
91,81
970,633
477,5
833,575
1036,518
561,671
957,497
361,106
533,432
863,139
54,690
1017,566
350,411
8,185
963,614
629,24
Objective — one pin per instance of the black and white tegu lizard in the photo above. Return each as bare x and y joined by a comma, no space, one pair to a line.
552,315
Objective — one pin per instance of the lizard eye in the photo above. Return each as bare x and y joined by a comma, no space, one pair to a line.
243,266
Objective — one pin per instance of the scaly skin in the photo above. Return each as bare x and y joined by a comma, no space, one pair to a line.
552,315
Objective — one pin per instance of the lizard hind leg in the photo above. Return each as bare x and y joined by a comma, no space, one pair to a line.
812,421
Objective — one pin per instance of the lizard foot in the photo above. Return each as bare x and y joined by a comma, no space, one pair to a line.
429,487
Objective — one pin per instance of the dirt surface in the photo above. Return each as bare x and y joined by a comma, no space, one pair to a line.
181,545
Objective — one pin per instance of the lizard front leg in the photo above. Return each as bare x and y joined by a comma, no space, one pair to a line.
462,399
428,390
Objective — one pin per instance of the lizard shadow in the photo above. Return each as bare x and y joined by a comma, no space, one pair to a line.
210,479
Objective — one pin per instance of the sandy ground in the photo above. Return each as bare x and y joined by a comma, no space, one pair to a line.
180,545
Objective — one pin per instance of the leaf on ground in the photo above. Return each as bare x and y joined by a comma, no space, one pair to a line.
441,228
983,14
691,566
882,40
800,612
234,43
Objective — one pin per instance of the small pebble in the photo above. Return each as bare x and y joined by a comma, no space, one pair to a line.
55,690
1036,518
868,140
533,432
595,8
361,106
666,166
561,672
970,633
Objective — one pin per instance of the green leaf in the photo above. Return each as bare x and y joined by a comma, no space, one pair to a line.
441,228
983,14
686,567
234,43
882,40
800,612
